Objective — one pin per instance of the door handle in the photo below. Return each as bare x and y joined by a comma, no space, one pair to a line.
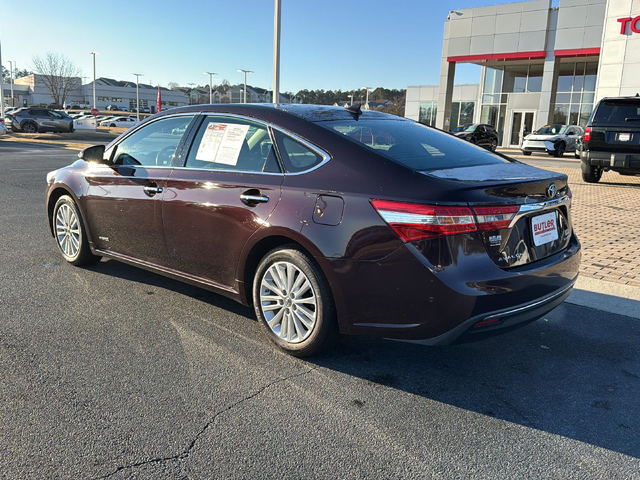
149,190
254,198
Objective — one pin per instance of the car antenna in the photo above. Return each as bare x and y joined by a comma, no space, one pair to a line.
354,109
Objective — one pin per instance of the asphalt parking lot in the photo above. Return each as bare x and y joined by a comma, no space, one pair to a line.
113,372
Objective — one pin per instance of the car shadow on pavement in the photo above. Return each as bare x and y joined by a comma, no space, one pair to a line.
127,272
575,373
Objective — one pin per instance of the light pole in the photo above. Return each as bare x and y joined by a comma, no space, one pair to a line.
276,51
94,76
138,75
366,102
11,64
1,81
210,85
351,101
191,93
245,82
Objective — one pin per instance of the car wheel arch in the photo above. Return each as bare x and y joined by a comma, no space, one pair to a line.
254,251
58,191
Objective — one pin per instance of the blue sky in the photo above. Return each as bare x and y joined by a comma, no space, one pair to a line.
326,44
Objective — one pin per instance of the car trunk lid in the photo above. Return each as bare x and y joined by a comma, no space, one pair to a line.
535,202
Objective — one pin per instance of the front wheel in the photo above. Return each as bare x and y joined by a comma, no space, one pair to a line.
559,151
526,153
591,173
293,302
70,233
30,128
494,145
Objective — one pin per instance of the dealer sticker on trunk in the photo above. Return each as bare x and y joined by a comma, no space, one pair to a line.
544,228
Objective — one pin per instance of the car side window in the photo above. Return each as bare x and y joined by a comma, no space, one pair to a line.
154,144
233,144
296,156
55,114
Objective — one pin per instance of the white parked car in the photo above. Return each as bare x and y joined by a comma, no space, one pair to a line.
553,139
125,122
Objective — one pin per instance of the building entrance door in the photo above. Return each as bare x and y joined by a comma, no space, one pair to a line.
521,126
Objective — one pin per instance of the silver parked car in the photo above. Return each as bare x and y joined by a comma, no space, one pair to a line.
553,139
34,120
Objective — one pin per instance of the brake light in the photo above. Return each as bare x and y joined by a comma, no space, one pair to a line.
495,218
587,134
412,221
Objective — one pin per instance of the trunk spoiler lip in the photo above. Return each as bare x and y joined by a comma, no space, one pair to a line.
529,208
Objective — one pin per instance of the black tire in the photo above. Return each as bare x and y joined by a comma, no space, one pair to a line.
494,145
113,125
84,255
324,331
30,127
526,153
591,173
559,151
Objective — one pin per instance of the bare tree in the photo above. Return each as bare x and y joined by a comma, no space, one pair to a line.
59,75
172,86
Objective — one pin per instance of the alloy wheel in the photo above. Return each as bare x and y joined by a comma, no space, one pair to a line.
68,231
288,302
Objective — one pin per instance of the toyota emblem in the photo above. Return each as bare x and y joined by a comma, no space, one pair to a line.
552,190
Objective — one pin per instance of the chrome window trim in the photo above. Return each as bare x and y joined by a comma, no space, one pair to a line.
326,157
530,208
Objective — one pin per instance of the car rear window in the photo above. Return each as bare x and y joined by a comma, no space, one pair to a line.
412,144
617,112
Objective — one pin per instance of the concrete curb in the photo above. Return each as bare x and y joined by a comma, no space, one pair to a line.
606,297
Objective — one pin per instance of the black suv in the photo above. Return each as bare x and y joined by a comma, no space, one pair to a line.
38,120
479,133
611,139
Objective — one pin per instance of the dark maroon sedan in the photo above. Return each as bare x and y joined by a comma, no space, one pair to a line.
325,219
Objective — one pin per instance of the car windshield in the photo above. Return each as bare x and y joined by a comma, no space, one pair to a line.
618,111
459,128
551,130
412,144
471,128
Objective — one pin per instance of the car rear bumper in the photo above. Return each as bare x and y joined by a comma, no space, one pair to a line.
612,160
405,297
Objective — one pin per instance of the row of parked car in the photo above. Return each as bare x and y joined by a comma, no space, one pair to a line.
609,142
40,120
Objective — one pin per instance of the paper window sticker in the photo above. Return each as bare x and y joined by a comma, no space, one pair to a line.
211,140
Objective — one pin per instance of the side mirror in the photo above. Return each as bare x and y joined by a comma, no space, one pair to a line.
93,154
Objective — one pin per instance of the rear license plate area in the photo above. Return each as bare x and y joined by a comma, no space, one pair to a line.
544,228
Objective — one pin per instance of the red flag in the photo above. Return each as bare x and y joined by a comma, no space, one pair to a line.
159,102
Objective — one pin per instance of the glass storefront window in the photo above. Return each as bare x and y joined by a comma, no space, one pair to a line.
574,100
428,112
534,83
466,112
565,77
455,115
561,114
492,80
590,75
515,79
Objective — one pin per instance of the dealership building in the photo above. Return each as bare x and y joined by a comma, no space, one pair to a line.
542,62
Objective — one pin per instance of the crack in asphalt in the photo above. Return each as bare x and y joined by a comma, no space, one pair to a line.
187,451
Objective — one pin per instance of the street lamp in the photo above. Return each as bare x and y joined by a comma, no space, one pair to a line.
366,102
351,101
138,75
11,64
210,85
276,51
191,93
245,82
94,76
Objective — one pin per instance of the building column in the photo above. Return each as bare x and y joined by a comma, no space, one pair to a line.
445,95
549,76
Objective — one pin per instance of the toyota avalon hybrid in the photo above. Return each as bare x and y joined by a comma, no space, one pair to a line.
325,220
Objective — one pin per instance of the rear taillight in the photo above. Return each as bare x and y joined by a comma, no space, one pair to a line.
495,218
587,134
412,221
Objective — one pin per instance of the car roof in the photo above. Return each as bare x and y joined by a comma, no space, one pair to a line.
269,111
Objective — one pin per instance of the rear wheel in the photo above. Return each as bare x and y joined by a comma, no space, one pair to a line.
70,233
293,302
559,151
494,145
526,153
591,173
